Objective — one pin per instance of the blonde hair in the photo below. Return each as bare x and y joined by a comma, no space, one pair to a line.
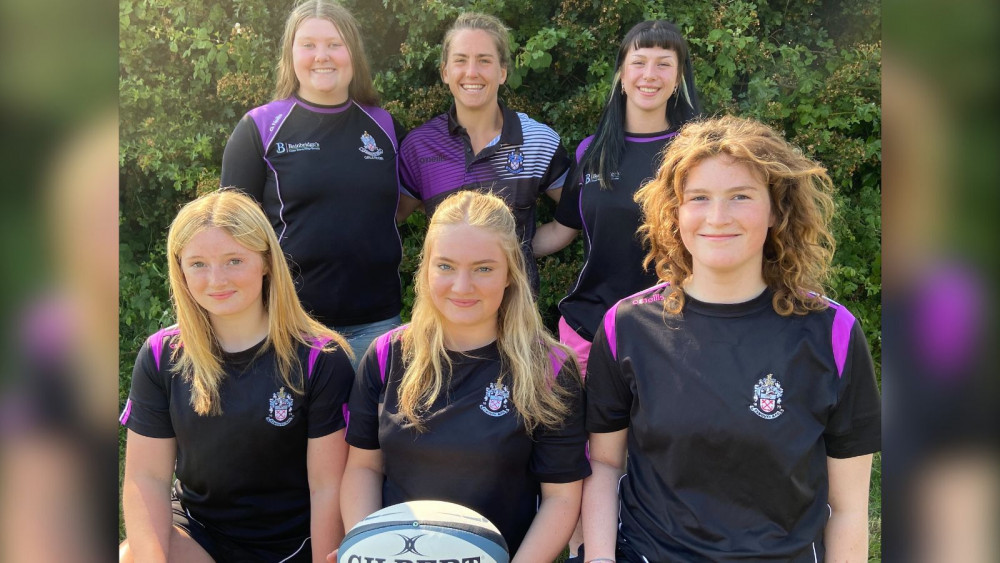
483,22
525,346
361,89
198,356
799,247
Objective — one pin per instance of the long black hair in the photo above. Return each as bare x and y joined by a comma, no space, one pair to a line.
604,154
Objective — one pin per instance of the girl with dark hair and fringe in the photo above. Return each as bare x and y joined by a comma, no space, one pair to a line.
652,96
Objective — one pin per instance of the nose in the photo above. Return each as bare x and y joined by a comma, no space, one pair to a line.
718,213
647,71
462,283
216,277
322,54
472,69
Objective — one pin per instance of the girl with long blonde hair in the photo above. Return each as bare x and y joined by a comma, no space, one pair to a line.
745,400
243,399
321,159
473,402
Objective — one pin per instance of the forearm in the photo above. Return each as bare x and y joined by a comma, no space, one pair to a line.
550,530
148,521
361,494
846,536
600,509
551,237
326,525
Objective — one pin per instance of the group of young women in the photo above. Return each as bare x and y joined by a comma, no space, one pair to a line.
744,400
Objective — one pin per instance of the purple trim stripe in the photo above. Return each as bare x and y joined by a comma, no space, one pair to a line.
123,419
609,317
347,416
156,342
323,109
843,322
558,357
650,139
315,350
382,345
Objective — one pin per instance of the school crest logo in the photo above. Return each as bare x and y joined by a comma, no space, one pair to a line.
368,146
280,412
495,402
515,162
767,398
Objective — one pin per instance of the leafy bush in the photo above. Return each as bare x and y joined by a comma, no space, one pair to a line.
190,70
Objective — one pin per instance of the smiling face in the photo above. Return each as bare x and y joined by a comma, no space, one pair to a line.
467,276
322,62
723,219
473,70
223,276
649,76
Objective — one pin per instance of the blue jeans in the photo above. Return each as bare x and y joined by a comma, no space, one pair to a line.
361,336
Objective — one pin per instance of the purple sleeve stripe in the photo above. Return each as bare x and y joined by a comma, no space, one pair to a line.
609,329
269,118
123,419
843,322
582,148
558,357
347,417
650,139
314,352
382,345
156,342
383,120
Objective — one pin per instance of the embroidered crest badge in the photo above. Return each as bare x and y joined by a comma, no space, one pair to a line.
515,162
495,402
369,147
767,398
280,412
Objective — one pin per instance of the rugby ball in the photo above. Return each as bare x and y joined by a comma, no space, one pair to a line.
424,531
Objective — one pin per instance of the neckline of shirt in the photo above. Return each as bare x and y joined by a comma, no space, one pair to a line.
759,303
320,108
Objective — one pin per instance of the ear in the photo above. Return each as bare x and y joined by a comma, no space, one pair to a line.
503,75
441,71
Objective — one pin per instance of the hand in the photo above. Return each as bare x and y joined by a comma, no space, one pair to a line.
332,558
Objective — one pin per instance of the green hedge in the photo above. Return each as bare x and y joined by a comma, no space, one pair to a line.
189,71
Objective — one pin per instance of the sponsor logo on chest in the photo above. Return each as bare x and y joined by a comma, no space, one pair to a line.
496,402
588,178
369,148
767,398
280,408
282,148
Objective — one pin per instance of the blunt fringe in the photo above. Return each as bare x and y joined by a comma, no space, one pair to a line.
603,156
798,250
522,339
362,89
198,356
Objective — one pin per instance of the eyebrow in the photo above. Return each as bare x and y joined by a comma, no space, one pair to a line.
739,188
476,263
481,55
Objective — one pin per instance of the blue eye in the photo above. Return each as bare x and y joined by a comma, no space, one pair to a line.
443,267
484,269
236,261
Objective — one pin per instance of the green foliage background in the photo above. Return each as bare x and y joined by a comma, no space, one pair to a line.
189,70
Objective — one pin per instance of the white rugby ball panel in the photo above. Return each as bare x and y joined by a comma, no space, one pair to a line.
424,532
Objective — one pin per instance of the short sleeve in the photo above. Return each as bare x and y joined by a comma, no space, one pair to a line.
555,174
409,170
329,385
243,160
855,425
559,454
568,209
609,397
366,394
147,411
